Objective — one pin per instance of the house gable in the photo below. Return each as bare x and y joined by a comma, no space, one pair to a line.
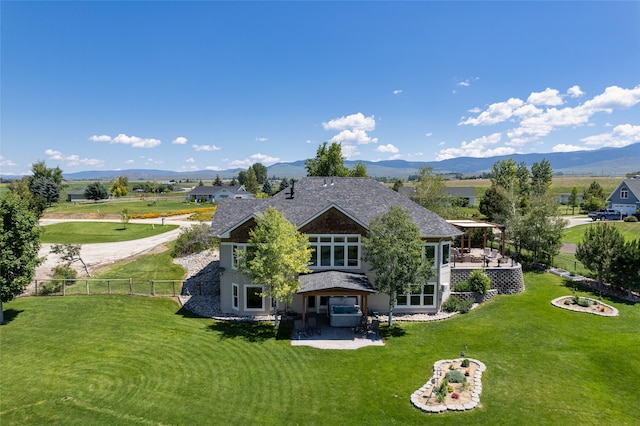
626,196
333,221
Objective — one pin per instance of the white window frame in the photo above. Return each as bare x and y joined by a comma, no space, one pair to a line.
235,297
435,253
422,294
246,298
333,243
624,194
445,260
235,261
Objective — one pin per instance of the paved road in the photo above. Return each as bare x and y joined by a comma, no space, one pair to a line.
102,254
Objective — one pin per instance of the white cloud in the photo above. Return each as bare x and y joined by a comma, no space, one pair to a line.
350,151
101,138
535,123
622,135
134,141
548,97
266,160
397,92
567,148
388,148
442,143
575,91
495,113
262,139
180,140
358,136
429,134
352,129
73,160
190,160
461,152
214,168
353,121
129,162
206,147
6,163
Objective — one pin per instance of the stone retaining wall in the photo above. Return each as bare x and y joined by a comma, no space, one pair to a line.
473,296
506,280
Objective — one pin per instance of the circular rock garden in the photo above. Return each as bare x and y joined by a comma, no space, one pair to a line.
585,304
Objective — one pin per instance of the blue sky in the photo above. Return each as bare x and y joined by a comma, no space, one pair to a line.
219,85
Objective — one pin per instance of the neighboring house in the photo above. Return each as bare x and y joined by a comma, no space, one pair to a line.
209,194
564,199
335,214
626,197
467,193
75,195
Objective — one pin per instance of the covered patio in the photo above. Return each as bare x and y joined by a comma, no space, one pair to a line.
335,283
465,255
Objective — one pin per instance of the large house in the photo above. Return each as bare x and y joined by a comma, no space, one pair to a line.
209,194
626,197
335,214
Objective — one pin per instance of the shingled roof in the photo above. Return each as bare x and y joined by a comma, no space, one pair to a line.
361,198
331,280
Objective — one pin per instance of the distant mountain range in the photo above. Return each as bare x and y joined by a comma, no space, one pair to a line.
601,162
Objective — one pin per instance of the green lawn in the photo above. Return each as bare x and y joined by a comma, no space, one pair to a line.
99,232
629,230
135,360
162,205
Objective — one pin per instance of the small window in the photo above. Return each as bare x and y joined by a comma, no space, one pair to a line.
446,248
235,296
237,250
254,300
624,193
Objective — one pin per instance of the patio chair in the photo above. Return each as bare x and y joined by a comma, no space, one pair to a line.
312,326
375,328
362,325
298,329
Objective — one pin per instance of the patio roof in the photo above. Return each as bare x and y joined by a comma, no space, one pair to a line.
333,282
469,223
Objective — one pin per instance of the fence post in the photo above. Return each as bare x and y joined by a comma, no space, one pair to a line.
173,286
64,286
131,286
36,287
86,283
108,287
152,288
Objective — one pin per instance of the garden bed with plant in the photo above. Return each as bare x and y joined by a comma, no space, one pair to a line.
585,304
456,385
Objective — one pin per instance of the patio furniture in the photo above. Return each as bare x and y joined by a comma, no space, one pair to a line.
298,329
375,328
312,326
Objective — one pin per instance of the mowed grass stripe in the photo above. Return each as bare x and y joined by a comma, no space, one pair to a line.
99,232
146,361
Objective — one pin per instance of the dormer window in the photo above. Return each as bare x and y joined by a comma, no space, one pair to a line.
624,193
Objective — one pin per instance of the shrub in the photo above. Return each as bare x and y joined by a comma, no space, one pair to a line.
465,306
455,376
630,219
62,275
450,305
465,363
584,302
462,286
194,239
479,281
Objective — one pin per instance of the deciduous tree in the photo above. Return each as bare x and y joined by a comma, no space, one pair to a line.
70,253
19,245
430,191
625,266
276,256
574,199
393,249
328,161
120,187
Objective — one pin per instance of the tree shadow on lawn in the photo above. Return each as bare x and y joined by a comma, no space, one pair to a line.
10,315
387,332
595,293
251,331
